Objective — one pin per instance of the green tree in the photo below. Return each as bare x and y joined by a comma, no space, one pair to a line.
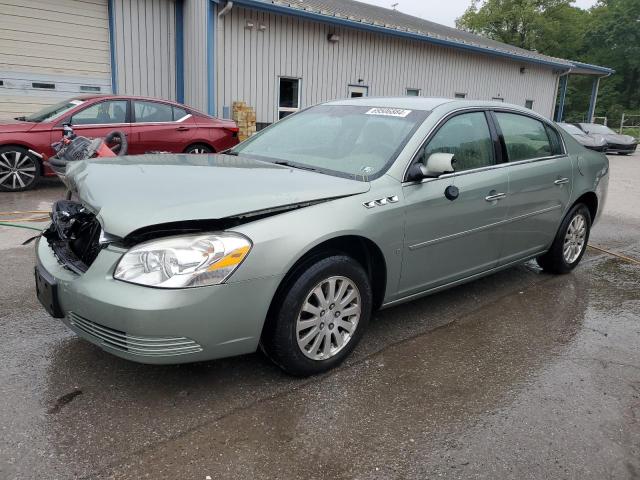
608,34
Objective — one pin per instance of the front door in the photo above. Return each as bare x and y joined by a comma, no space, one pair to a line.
448,240
540,182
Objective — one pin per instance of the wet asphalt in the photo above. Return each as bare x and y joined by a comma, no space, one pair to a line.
518,375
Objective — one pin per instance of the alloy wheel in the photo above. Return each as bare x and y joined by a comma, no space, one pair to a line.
574,239
328,318
17,170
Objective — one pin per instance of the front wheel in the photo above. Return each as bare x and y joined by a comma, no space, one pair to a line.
320,318
570,242
19,170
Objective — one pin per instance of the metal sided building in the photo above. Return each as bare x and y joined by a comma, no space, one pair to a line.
276,56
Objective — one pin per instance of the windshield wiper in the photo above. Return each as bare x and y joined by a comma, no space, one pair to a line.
294,165
21,118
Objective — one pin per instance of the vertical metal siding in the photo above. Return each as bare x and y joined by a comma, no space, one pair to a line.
250,61
145,47
195,53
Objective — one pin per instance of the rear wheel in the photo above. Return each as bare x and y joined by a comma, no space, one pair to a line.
19,170
199,148
320,317
570,242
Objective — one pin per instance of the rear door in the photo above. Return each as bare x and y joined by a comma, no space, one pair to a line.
98,120
448,240
540,183
158,126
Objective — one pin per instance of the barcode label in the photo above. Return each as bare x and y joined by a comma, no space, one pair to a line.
389,112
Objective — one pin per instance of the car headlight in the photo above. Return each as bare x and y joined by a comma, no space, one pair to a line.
184,261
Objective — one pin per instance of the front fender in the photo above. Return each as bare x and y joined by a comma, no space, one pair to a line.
281,240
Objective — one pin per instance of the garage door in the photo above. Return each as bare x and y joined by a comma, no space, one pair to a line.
51,50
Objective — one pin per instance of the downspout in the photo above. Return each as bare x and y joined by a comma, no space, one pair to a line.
227,8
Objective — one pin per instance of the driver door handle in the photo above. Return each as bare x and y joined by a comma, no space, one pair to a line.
182,129
495,196
561,181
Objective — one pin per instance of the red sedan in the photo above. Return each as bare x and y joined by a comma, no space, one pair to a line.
150,125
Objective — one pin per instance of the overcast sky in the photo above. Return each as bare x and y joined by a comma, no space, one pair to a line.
442,11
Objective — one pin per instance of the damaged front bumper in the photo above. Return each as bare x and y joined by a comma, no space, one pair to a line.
151,325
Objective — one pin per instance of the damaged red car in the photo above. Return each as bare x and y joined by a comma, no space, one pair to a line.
149,124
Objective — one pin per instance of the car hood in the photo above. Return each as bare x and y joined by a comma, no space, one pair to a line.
9,125
593,140
620,139
129,193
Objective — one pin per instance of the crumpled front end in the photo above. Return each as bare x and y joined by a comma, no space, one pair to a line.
76,261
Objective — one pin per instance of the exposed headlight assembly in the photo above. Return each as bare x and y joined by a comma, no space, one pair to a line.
184,261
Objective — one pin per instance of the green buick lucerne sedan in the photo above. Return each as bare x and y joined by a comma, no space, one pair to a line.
291,240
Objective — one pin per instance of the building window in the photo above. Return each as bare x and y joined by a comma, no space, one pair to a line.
47,86
357,91
89,88
289,97
460,95
528,104
498,99
413,92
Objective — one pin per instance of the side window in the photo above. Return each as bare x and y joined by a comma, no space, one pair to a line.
152,112
179,113
467,136
525,137
114,111
556,141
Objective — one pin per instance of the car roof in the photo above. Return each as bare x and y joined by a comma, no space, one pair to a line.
428,103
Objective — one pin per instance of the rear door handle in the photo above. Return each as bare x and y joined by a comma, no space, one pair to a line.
495,196
561,181
182,129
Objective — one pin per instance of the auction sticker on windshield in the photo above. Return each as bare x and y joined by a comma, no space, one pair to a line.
389,112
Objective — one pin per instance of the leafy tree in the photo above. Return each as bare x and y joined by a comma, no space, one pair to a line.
607,34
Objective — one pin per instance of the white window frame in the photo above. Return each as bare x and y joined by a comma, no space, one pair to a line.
406,91
364,88
280,109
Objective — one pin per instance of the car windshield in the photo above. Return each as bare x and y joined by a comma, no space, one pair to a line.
572,129
51,112
596,128
345,140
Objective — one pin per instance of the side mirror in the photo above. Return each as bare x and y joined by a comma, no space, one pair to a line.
440,163
416,172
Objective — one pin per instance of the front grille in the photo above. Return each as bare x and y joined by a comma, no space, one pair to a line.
134,345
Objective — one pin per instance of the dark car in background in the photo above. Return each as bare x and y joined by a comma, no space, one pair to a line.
592,141
616,143
149,124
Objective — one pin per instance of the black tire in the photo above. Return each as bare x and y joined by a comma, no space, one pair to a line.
280,337
19,170
119,141
199,148
555,260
